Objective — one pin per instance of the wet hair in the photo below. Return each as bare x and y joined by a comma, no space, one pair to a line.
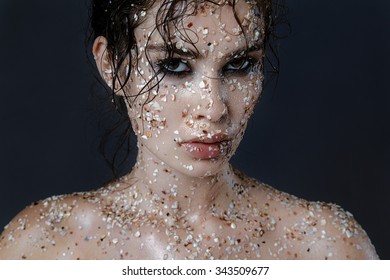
116,20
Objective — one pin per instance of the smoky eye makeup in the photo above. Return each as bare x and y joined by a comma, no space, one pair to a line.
240,66
173,67
178,67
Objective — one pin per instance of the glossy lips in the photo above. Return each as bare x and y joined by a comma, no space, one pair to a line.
206,148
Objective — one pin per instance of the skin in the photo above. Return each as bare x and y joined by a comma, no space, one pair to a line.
182,199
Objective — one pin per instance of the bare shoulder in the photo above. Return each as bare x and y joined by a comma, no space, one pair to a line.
312,230
59,227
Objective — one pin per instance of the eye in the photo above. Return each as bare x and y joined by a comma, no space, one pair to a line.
241,65
174,66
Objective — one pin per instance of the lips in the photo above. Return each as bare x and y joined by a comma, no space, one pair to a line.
206,147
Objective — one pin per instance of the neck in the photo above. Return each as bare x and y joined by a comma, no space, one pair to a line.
173,192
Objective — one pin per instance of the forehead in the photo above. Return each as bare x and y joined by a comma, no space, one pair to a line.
203,24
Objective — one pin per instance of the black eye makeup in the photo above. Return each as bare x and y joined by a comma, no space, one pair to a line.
174,66
240,66
180,67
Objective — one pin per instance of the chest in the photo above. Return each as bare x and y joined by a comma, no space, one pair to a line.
207,238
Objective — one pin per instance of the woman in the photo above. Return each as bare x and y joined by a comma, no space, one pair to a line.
188,74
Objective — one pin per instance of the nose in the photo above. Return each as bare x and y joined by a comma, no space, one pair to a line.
210,100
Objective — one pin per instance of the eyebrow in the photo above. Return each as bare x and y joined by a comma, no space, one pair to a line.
191,54
182,52
245,50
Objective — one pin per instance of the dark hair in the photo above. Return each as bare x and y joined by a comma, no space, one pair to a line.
117,20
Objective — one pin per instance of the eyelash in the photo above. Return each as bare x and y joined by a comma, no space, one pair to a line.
249,62
163,66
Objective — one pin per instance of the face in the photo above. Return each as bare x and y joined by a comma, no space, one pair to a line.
195,118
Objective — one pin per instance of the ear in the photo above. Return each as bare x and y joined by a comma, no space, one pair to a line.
105,64
102,60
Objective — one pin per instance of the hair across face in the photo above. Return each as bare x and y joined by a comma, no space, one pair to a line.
117,21
187,72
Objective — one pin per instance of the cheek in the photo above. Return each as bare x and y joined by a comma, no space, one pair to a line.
244,95
152,112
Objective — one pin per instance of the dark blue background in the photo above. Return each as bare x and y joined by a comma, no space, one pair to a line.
322,135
